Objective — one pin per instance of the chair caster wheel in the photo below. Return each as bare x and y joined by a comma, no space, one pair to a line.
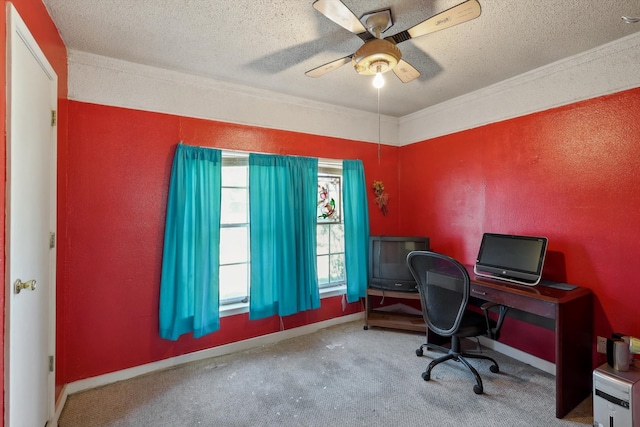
365,327
477,389
494,368
426,376
419,352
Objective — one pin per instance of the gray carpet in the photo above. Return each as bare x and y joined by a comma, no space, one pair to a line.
340,376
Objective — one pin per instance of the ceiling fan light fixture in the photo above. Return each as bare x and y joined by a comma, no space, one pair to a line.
376,56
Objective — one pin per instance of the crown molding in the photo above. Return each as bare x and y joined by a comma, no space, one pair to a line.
108,81
610,68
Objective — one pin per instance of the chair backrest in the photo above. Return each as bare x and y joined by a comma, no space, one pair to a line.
444,286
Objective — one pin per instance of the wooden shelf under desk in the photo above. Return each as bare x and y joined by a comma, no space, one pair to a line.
387,319
405,322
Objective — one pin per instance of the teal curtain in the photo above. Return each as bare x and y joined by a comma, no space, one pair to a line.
282,208
189,288
356,228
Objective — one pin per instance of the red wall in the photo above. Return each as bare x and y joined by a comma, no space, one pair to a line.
570,173
36,17
116,190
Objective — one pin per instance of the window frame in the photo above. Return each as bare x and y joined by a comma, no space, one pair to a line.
332,169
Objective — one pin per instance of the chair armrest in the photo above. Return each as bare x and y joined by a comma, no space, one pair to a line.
494,333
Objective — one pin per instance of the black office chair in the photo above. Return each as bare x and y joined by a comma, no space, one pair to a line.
444,288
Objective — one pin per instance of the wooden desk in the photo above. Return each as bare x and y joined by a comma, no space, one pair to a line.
572,312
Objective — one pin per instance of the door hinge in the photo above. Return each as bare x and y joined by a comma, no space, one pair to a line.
54,118
50,363
52,240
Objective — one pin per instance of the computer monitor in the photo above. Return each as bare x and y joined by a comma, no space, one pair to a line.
513,258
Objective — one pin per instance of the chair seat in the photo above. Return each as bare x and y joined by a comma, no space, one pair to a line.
472,325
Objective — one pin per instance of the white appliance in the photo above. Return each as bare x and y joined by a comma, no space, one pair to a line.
616,397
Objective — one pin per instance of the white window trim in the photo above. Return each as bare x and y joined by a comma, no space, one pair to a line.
243,307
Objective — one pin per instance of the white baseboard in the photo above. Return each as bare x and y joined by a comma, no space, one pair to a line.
519,355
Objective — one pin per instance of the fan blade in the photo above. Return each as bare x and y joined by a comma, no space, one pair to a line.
340,14
405,71
463,12
456,15
330,66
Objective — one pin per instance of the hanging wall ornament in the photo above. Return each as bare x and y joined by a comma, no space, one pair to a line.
381,197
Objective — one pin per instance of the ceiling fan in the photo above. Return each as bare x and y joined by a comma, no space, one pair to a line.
378,55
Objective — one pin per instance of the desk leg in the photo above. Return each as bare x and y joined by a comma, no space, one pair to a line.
574,333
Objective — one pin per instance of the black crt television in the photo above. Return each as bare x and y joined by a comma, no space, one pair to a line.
388,268
517,259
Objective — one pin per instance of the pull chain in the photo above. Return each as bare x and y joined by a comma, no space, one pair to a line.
378,126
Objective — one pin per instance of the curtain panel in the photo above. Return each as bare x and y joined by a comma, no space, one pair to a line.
356,228
189,288
282,207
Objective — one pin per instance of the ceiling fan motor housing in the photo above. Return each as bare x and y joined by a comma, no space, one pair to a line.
377,55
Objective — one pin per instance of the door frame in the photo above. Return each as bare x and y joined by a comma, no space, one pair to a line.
16,28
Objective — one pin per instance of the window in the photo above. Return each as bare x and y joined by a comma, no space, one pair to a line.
330,228
234,228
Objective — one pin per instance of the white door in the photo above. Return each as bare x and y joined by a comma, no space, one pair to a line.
31,193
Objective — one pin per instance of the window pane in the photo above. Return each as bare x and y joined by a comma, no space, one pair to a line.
234,176
328,198
233,281
337,268
337,238
233,245
330,230
234,206
323,270
322,239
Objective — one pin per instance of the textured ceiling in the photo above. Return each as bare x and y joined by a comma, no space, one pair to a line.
269,44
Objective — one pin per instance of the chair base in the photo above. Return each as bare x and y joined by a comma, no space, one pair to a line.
454,353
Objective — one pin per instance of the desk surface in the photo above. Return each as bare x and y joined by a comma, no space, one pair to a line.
541,292
541,300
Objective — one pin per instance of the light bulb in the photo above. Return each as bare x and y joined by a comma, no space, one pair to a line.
378,80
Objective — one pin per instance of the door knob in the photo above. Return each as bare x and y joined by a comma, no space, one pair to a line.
19,285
